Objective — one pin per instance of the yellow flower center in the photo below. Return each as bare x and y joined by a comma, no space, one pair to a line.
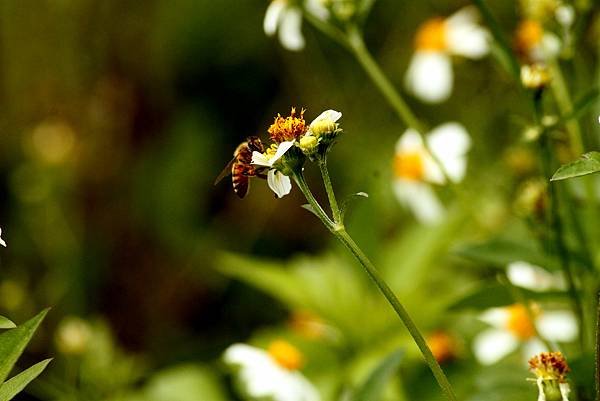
529,34
442,346
286,355
409,165
307,325
432,35
519,323
288,128
549,366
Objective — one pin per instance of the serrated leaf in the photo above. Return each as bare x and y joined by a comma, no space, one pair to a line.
16,384
588,163
14,341
373,387
6,323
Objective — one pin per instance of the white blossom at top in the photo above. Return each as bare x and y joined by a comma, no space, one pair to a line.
261,377
532,277
415,169
285,18
429,76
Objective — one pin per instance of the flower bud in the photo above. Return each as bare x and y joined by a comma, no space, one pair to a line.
323,127
309,144
535,76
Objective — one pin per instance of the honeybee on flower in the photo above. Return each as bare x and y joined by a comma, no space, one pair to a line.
284,17
429,76
271,374
415,169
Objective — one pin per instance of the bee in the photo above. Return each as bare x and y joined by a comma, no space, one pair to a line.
241,167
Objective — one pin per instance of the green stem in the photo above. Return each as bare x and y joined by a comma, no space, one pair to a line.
340,233
335,209
503,44
565,104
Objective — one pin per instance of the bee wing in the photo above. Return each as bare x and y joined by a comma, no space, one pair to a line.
226,171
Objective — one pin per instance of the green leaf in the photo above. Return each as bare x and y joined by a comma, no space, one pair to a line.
501,252
373,387
14,386
5,323
310,209
14,341
588,163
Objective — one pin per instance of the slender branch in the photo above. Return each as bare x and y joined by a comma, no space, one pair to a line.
340,233
335,209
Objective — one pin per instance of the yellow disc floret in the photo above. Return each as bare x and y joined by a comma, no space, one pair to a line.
286,355
431,35
409,166
549,366
288,128
519,323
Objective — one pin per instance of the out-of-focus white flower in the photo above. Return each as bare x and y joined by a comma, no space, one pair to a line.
429,76
512,327
565,15
534,44
285,18
271,374
415,169
532,277
2,242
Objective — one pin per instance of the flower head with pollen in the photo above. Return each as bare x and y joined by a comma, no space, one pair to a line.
288,128
270,374
429,76
515,326
550,369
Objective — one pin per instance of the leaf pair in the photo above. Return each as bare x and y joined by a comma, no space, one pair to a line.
12,345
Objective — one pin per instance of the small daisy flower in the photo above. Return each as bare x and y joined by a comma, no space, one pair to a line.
550,369
511,327
272,374
534,278
286,132
285,18
429,76
415,169
534,44
2,242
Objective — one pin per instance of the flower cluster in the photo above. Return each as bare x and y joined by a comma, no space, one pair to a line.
293,141
550,369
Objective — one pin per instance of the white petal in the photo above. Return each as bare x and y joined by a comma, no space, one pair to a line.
281,149
540,386
565,15
2,242
526,275
260,159
492,345
330,115
316,8
533,347
290,29
551,44
429,76
272,16
565,390
420,199
279,183
495,317
449,143
464,36
560,326
410,141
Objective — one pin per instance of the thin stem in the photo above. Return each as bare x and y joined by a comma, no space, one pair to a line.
335,209
340,233
513,63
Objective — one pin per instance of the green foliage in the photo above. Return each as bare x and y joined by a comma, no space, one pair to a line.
12,345
588,163
372,388
6,323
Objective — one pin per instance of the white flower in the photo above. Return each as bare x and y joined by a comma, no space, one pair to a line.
429,76
277,181
286,19
535,44
415,169
532,277
512,327
2,242
261,376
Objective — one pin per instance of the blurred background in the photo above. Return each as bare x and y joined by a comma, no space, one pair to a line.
116,117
